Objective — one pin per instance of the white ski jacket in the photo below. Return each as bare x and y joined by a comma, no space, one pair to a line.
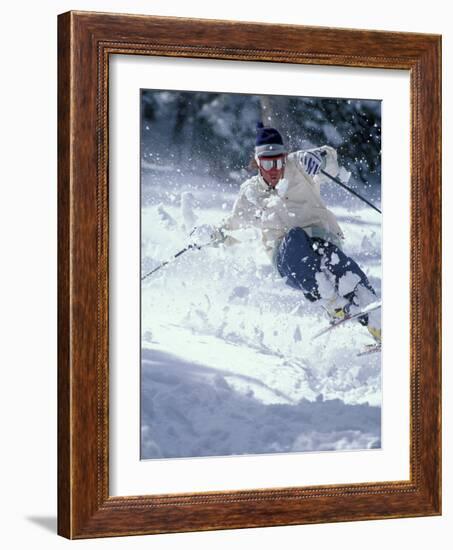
294,202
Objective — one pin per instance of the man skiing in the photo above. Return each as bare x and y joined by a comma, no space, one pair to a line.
300,235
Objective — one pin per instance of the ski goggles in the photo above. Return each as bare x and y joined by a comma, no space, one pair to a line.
267,163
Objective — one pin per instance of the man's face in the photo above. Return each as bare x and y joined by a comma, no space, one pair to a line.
272,169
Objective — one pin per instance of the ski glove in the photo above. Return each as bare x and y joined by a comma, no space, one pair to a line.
206,234
313,162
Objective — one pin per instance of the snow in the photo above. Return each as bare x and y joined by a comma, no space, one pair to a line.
189,218
325,286
210,412
348,282
228,361
164,217
334,259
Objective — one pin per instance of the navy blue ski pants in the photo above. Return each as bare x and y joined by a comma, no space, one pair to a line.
299,258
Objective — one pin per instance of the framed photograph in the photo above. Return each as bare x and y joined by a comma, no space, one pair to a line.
249,275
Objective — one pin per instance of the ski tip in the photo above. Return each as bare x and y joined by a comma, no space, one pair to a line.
369,349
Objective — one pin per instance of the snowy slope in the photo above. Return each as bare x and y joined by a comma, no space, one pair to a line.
228,364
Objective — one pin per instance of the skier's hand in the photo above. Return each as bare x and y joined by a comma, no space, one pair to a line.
206,234
313,162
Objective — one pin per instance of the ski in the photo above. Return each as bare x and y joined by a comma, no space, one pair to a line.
369,349
368,309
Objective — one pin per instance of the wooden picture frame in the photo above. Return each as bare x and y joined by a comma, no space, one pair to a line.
85,41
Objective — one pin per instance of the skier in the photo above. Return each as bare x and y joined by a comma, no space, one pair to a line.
300,235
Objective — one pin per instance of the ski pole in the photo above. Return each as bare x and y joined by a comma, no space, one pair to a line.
336,180
163,264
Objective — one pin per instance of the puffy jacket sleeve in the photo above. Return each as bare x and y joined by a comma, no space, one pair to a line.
246,211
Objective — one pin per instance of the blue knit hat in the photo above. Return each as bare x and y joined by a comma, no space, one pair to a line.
269,142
